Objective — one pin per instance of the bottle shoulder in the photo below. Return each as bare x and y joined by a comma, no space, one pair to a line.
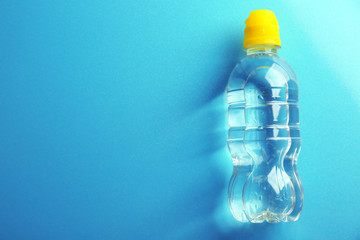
265,60
249,64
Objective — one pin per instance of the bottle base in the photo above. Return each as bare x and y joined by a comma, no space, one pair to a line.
266,216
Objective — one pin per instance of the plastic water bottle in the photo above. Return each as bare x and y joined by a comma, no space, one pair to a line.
264,137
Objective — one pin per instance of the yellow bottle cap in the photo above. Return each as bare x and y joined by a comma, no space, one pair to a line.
261,28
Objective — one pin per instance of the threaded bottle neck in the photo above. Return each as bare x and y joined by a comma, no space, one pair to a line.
262,49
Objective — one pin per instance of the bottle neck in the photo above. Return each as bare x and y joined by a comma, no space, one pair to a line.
262,49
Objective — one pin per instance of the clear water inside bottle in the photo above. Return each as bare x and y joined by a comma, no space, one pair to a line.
264,140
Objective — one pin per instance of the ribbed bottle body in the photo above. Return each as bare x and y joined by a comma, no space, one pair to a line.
264,140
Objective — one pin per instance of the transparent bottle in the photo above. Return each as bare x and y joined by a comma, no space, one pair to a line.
264,137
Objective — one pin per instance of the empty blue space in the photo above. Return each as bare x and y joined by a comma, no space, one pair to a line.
113,118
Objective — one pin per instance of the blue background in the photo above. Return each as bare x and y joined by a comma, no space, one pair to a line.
113,123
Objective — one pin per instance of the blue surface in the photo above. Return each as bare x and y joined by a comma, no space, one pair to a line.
112,121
